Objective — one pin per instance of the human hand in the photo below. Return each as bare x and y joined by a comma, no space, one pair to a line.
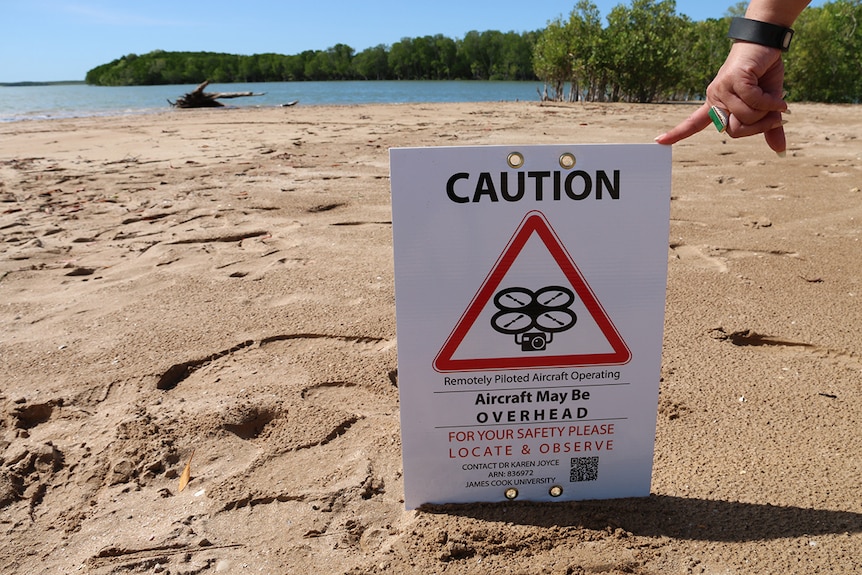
750,87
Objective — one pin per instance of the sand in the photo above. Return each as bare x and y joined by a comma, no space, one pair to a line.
218,285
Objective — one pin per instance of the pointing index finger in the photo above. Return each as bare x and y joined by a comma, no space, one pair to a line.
688,127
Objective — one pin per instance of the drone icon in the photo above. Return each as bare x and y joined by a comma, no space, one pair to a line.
533,317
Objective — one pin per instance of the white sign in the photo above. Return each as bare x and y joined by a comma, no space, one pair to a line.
530,289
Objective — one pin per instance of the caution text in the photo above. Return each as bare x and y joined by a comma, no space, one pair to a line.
463,187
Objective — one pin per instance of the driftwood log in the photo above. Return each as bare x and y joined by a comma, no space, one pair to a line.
197,98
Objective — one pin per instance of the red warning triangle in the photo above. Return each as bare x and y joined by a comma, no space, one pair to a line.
534,224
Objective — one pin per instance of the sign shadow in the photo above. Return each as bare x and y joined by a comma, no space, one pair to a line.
669,516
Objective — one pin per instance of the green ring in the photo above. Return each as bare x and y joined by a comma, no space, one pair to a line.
718,121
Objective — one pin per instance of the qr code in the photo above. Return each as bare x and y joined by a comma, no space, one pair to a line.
584,469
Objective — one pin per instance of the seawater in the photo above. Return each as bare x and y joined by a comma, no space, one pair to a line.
78,100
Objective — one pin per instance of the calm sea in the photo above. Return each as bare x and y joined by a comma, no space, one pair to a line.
67,101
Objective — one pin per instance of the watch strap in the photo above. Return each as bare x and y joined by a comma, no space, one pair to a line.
763,33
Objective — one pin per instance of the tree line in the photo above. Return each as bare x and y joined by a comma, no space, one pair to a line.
489,55
648,52
643,52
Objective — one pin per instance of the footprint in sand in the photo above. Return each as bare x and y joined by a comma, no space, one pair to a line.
751,338
695,257
348,396
715,258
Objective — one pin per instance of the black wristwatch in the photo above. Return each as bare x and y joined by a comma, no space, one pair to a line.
762,33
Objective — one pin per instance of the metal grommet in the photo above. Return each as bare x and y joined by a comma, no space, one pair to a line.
555,491
511,493
568,161
515,160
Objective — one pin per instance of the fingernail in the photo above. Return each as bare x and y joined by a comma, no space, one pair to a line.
787,111
782,154
659,137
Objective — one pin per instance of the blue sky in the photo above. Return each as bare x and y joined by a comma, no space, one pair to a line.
44,40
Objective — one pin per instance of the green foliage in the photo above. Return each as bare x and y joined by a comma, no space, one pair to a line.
824,63
551,59
737,9
484,55
644,49
573,52
648,52
645,52
640,56
704,46
372,64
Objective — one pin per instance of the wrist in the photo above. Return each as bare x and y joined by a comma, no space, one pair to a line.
759,32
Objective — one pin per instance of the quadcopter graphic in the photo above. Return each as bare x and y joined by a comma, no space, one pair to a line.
533,317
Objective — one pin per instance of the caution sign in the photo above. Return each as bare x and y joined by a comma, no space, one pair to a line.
535,316
530,287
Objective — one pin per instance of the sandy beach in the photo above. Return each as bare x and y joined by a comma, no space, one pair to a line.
216,286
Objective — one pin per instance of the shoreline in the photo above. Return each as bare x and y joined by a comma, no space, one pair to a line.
80,100
120,113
